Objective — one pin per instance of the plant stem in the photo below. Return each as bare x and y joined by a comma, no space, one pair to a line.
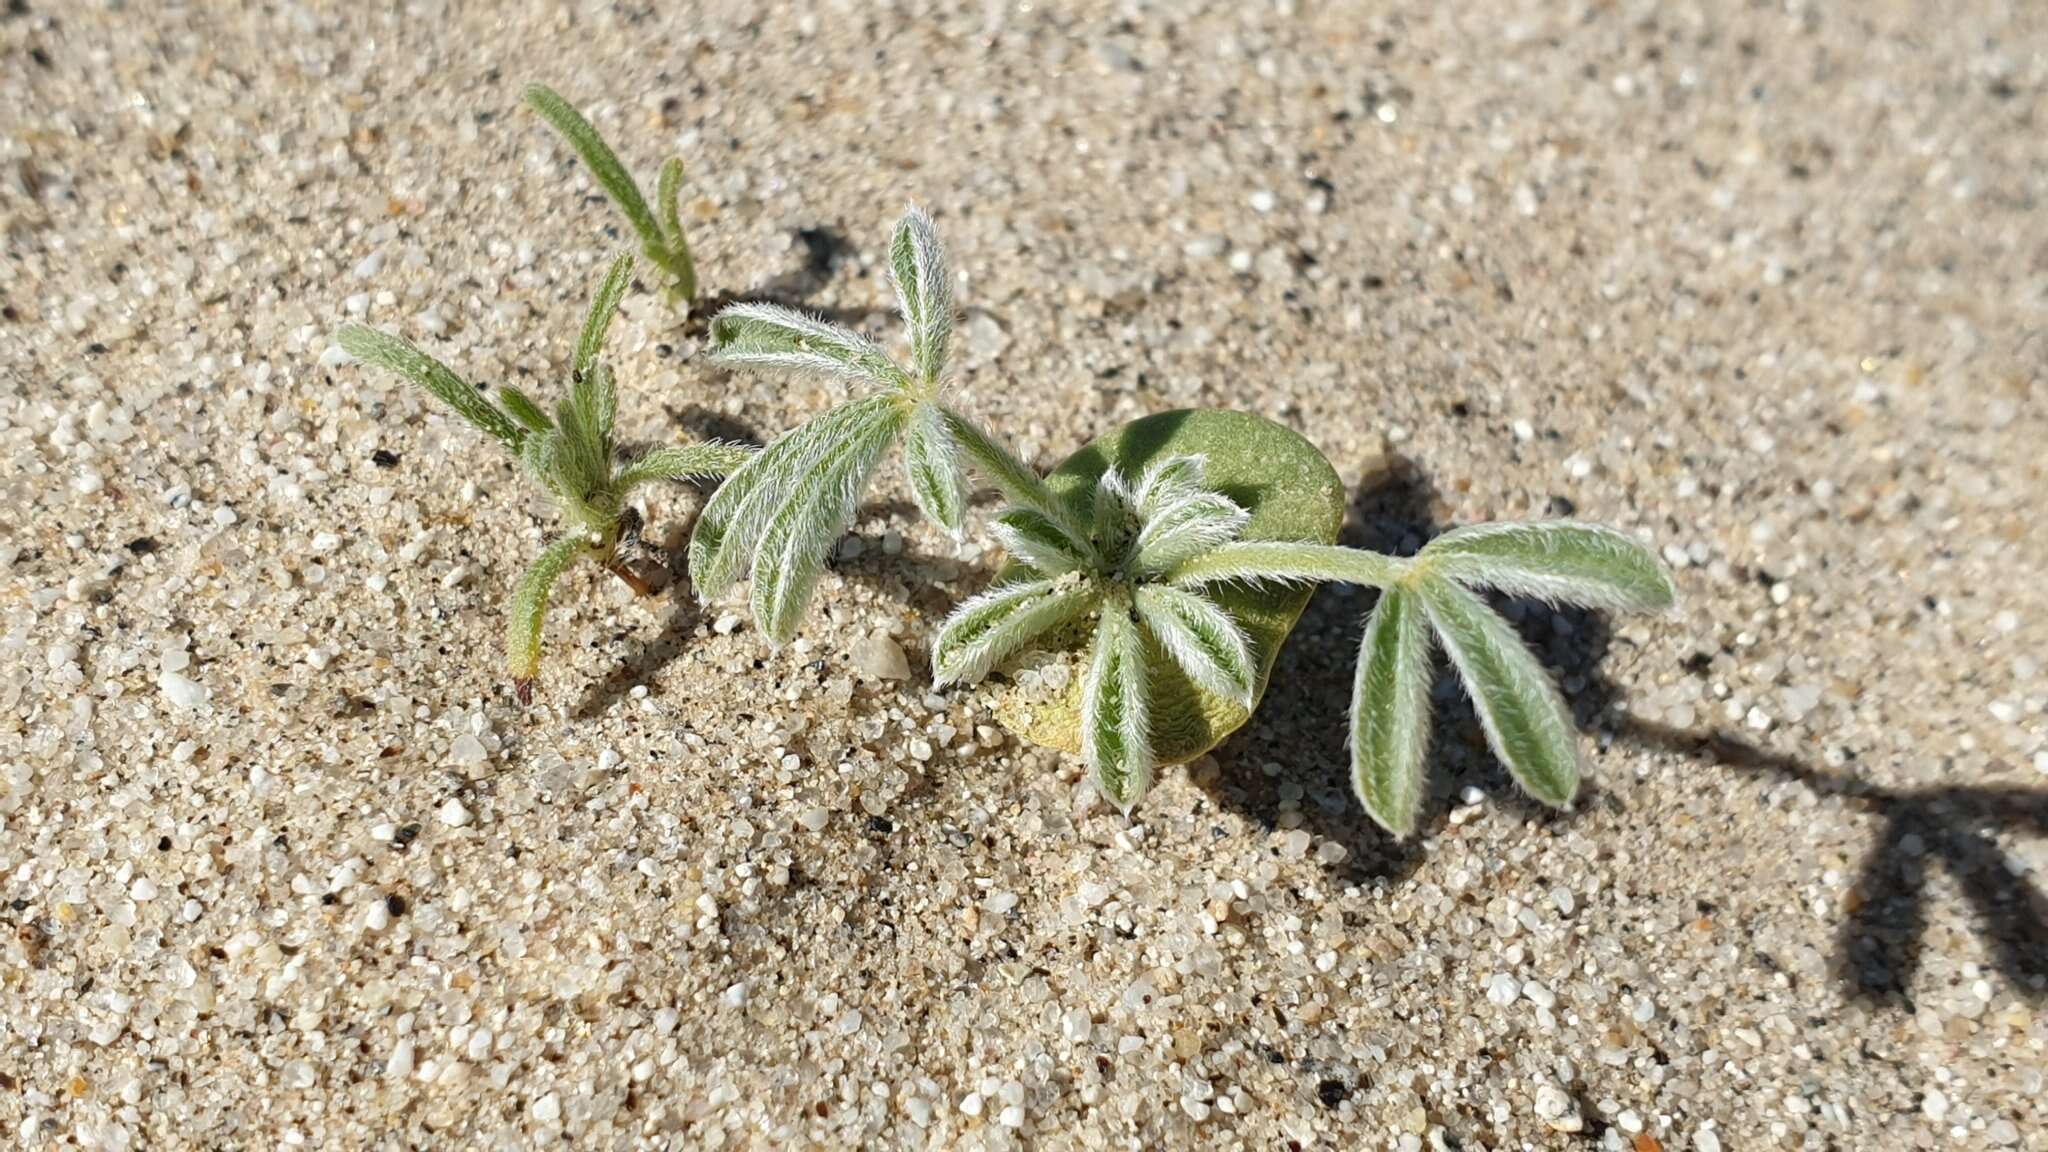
1281,560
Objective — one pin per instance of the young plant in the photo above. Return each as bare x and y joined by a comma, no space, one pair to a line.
1436,594
571,454
1159,550
778,515
661,238
1119,570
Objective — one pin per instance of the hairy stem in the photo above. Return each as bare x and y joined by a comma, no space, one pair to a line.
1256,561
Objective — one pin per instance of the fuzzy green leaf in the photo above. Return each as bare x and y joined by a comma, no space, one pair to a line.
1202,638
682,462
1172,480
667,201
1582,564
1036,543
1526,722
521,408
1292,494
799,538
1116,735
986,630
924,292
738,514
582,462
771,336
931,458
1182,528
598,321
598,157
1390,711
530,605
372,346
1018,483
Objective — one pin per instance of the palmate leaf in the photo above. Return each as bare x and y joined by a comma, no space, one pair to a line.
682,462
771,336
738,514
924,292
1526,722
1036,543
400,356
800,536
530,605
1202,638
931,458
1116,736
986,630
1390,711
1559,561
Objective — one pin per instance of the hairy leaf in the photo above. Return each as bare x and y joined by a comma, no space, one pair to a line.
521,407
820,507
682,462
1569,563
598,321
372,346
582,462
1036,543
771,336
1178,530
1284,562
924,291
1171,480
1525,719
986,630
1115,733
738,514
1115,515
530,605
1016,480
1390,711
1202,638
598,156
667,201
938,480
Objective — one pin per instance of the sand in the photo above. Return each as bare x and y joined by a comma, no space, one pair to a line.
283,864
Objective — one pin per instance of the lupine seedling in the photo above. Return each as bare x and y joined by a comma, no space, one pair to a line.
1160,546
778,515
571,455
661,237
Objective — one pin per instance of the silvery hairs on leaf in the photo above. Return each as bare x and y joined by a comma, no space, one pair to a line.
924,294
1116,734
1525,719
1390,711
988,629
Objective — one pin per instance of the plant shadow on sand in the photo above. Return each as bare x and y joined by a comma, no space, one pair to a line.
1297,737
